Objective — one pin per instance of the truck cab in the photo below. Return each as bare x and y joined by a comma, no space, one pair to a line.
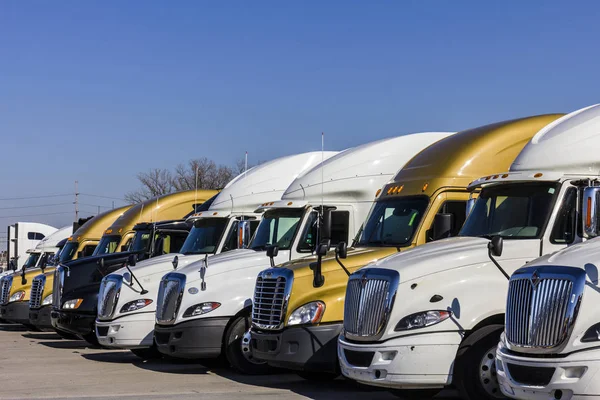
319,209
74,305
128,321
442,311
426,200
549,349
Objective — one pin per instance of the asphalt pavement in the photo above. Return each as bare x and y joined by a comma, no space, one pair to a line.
41,365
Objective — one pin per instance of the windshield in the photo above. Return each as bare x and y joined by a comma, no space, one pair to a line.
108,245
511,211
31,260
393,222
140,242
277,227
68,252
205,236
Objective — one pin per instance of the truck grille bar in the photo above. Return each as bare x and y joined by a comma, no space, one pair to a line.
57,289
170,293
271,296
6,284
370,296
37,290
108,296
541,307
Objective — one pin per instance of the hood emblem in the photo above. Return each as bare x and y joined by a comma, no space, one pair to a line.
364,280
193,290
534,279
268,274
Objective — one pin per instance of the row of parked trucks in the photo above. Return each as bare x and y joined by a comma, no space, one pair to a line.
413,263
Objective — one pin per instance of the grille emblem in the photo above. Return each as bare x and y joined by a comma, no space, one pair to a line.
364,280
534,279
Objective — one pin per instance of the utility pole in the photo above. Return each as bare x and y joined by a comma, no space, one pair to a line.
76,201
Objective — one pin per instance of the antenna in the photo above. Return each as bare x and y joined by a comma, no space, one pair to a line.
76,201
196,192
322,167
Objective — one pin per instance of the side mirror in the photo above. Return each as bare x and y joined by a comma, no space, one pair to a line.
272,251
342,250
591,201
322,249
80,254
132,260
442,226
326,227
495,246
243,234
470,205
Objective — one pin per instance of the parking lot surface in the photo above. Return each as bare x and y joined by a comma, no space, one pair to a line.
41,365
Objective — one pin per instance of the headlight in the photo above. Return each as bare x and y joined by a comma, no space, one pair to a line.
47,300
135,305
72,304
17,296
422,320
310,313
200,309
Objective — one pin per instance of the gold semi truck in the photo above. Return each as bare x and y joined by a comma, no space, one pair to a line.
427,200
15,289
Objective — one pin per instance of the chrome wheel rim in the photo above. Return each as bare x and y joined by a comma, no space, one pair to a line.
247,349
487,374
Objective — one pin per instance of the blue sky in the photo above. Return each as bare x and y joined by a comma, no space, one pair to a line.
98,91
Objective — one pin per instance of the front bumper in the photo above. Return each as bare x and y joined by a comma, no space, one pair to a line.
199,338
75,323
128,332
414,362
40,317
17,312
311,348
576,376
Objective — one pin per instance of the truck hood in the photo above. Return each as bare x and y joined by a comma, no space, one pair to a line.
447,254
160,265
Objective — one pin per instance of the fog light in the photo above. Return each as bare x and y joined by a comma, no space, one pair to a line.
388,355
114,328
574,372
380,373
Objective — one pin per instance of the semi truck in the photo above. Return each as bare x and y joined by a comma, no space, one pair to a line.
126,309
426,200
21,237
47,248
428,318
76,284
549,349
203,310
150,240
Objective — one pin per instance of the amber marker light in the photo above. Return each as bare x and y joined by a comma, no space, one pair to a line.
588,214
378,192
538,175
425,186
290,203
505,176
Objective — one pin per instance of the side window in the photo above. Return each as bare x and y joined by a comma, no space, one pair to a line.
88,250
566,220
35,236
340,221
231,241
309,236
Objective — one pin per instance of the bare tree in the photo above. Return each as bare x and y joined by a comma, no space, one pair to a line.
157,182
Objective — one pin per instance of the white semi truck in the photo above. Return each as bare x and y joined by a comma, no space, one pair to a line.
203,310
23,236
551,345
431,317
127,320
45,250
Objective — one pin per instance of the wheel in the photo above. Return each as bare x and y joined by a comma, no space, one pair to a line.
475,367
67,335
147,353
421,394
32,328
238,350
91,338
316,376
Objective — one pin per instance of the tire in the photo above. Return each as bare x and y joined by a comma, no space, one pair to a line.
238,351
420,394
67,335
475,367
32,328
147,353
92,339
314,376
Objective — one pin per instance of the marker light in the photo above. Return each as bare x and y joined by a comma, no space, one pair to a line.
538,175
505,176
588,214
72,304
378,192
425,187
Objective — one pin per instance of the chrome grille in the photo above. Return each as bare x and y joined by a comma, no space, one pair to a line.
369,299
169,297
271,296
57,289
37,291
108,296
6,284
541,307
